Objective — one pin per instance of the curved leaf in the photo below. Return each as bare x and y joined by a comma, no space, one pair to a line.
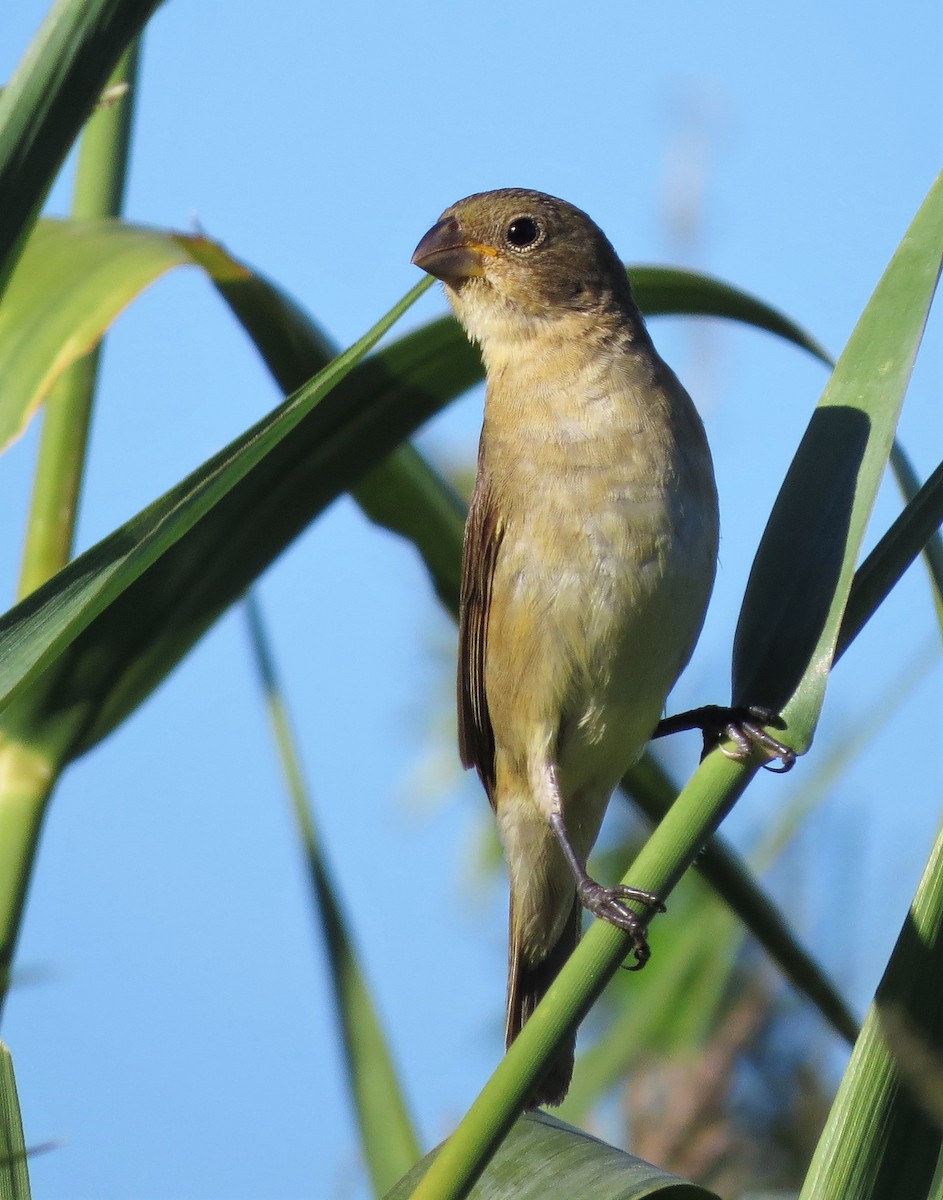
802,574
545,1159
660,291
72,281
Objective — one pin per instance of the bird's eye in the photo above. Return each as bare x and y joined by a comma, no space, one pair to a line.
522,232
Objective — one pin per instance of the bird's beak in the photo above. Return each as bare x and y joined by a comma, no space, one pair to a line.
446,253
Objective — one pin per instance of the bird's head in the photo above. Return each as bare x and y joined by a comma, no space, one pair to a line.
517,256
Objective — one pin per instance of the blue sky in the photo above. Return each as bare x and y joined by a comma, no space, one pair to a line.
173,1026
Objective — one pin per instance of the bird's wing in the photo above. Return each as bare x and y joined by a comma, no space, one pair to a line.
483,535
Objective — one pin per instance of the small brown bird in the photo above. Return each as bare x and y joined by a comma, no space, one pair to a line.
589,557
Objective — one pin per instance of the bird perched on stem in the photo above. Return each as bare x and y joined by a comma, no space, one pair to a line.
589,558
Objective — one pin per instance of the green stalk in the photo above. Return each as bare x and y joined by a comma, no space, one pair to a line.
651,789
699,809
28,772
26,781
99,190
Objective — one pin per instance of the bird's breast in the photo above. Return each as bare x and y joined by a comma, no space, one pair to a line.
609,537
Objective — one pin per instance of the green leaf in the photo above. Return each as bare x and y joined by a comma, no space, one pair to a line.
350,432
387,1136
545,1159
915,530
14,1177
909,485
406,496
670,290
801,577
46,101
72,281
882,1138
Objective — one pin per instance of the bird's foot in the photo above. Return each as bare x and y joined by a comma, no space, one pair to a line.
743,725
609,904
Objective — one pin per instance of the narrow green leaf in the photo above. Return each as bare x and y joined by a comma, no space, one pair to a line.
671,290
122,657
545,1159
387,1136
14,1176
802,573
46,101
915,530
909,485
41,627
407,496
882,1139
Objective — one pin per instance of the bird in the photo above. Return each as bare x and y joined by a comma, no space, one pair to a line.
588,562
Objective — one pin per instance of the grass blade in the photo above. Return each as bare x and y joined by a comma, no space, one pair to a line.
14,1176
914,531
663,291
40,628
909,485
883,1134
388,1138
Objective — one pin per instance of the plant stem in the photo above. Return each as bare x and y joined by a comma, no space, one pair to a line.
28,772
26,780
99,189
697,812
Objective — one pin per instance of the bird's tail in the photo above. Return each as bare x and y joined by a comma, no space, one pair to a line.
527,985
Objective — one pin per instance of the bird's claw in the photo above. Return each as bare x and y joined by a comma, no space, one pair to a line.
744,727
609,904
